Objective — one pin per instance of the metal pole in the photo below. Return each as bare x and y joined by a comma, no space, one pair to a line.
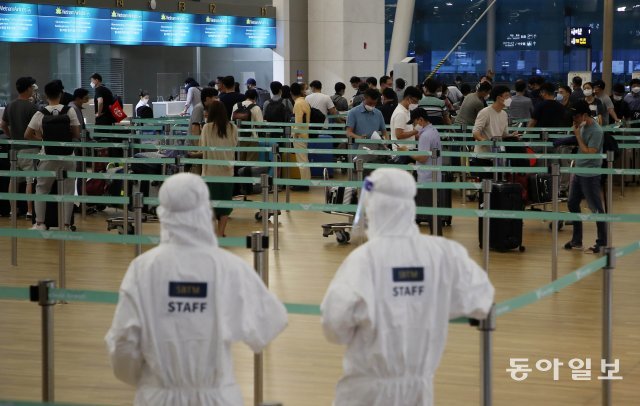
623,165
60,177
46,306
359,167
264,183
125,186
276,219
14,206
486,190
287,188
491,37
487,327
439,65
607,41
463,173
137,215
610,158
607,308
435,226
496,164
555,191
259,243
83,169
350,142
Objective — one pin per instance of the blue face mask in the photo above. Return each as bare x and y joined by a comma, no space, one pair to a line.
559,97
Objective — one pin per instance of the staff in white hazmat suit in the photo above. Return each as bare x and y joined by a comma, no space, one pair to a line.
182,305
391,300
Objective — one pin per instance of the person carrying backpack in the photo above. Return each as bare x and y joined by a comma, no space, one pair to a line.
277,109
55,122
245,111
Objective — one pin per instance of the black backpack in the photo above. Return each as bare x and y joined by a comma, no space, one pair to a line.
56,126
317,117
144,112
276,112
243,113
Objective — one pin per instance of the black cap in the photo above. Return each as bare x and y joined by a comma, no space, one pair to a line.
417,113
580,107
24,83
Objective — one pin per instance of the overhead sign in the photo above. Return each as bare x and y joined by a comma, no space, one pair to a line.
22,22
580,37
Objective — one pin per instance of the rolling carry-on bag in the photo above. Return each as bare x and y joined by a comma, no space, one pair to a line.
424,198
504,234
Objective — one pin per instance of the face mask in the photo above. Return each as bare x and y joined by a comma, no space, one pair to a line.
369,108
582,124
507,102
438,94
186,87
418,127
635,90
588,92
145,100
617,98
486,97
35,87
413,107
93,85
559,97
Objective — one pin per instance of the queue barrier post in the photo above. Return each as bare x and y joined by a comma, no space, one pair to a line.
607,312
463,174
287,170
436,227
83,168
179,164
359,167
487,327
610,159
275,148
555,191
125,186
486,221
40,293
264,184
61,175
137,216
350,142
13,157
259,244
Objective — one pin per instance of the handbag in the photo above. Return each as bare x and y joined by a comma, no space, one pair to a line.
117,112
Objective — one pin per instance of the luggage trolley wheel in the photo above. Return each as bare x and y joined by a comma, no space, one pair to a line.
130,230
342,237
521,248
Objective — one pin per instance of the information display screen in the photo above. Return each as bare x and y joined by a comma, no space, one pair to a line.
580,37
22,22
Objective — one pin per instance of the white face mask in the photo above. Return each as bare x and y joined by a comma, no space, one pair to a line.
145,100
413,107
582,124
635,89
559,97
507,102
588,92
418,127
438,94
617,98
369,108
93,85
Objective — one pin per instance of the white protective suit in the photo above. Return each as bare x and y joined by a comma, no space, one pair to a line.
182,305
391,300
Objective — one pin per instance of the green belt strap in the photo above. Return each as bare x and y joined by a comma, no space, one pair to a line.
74,144
65,198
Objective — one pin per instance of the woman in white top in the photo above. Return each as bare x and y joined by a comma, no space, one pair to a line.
193,95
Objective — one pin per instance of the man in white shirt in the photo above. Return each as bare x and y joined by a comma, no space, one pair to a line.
400,130
492,122
36,132
319,100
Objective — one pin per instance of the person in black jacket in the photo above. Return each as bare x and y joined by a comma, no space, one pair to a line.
389,104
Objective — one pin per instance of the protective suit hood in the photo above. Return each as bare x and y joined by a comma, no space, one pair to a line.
185,212
389,203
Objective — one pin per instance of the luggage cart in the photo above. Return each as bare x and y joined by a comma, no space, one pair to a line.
336,195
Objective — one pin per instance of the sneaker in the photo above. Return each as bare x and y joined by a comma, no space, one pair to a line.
39,227
593,250
29,215
572,246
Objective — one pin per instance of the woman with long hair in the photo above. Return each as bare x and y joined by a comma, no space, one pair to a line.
219,132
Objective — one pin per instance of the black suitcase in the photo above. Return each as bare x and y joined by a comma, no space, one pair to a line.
504,234
424,198
539,190
51,209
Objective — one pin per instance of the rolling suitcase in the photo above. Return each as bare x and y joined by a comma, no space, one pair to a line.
249,188
504,234
539,188
424,198
324,158
51,211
